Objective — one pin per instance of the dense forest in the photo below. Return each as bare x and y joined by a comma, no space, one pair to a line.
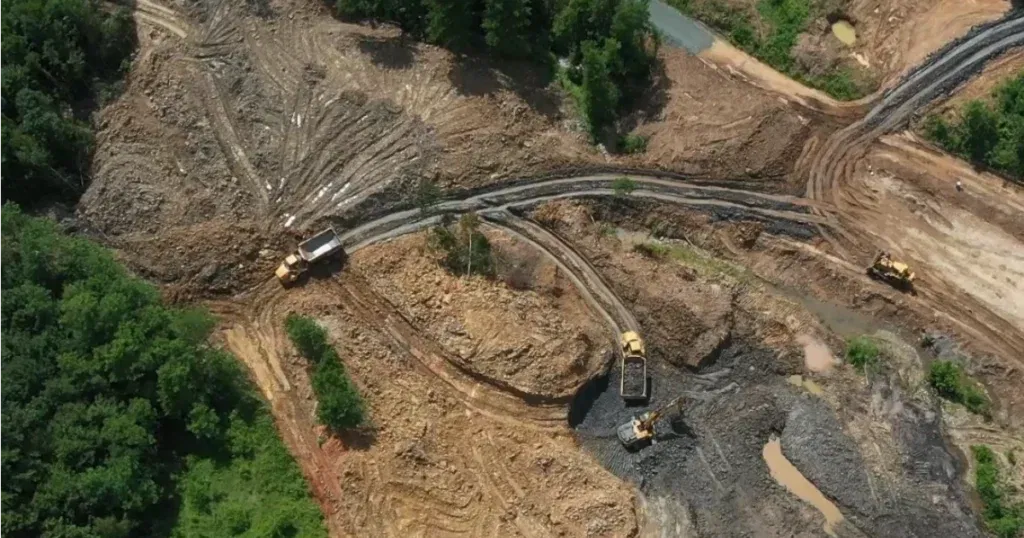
60,59
987,133
608,46
119,419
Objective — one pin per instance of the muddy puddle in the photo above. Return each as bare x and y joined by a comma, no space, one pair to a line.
844,32
839,319
786,474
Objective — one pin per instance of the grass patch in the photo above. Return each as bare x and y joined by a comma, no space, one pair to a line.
951,382
339,404
784,21
655,251
1003,517
862,352
623,186
691,257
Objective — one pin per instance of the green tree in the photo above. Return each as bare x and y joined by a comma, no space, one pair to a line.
506,25
980,131
467,250
339,405
427,195
108,395
450,23
598,95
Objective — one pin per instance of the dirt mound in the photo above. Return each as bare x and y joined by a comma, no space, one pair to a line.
541,340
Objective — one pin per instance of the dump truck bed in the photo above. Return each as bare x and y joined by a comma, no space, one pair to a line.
634,378
320,245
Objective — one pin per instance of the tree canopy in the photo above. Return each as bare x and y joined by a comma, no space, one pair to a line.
987,133
109,398
59,57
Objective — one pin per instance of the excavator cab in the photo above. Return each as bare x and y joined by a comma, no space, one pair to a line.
640,430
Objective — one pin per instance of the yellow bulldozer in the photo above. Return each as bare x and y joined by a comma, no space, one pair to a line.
895,273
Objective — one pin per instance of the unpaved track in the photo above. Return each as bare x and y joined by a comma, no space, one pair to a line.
831,165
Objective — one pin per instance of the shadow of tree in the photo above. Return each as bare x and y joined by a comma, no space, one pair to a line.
389,52
358,439
649,102
476,75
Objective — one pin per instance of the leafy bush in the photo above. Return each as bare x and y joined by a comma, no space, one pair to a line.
655,251
987,134
623,186
634,143
1003,519
339,405
466,250
951,382
59,57
426,195
862,352
111,401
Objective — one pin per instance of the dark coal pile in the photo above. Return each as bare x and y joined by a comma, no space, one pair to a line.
708,458
707,462
633,378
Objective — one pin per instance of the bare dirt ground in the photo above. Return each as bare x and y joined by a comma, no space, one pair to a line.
271,120
893,37
441,459
245,126
542,340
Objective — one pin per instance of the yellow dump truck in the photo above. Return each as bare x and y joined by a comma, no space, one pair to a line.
315,249
633,382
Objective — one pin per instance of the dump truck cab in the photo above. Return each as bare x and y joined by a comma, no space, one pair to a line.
633,367
320,247
290,269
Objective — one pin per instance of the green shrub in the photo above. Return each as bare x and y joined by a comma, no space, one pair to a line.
339,405
634,143
862,352
466,250
655,251
623,186
1004,519
951,382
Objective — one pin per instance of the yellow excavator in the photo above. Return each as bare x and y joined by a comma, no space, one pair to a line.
640,430
895,273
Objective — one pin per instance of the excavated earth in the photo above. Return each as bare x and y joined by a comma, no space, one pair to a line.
247,125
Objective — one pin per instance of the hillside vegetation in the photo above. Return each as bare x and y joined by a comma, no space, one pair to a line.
769,32
988,133
119,419
608,45
60,59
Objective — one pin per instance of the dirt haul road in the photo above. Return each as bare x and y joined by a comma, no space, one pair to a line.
839,174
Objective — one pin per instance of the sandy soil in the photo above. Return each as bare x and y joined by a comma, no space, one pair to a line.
895,36
442,458
543,340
